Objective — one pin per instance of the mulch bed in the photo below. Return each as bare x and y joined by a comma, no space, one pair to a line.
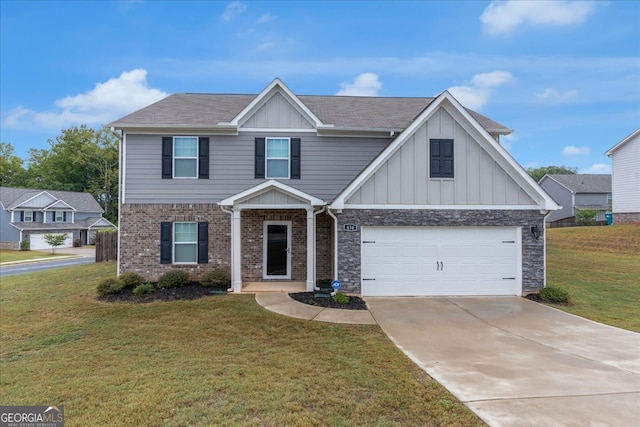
355,303
193,290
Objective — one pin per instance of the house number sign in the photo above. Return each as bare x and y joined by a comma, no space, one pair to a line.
350,227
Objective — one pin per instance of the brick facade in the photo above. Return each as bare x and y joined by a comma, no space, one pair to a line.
349,271
626,218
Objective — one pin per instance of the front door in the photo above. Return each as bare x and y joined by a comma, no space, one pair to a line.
277,250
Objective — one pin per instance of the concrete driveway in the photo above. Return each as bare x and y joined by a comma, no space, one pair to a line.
518,363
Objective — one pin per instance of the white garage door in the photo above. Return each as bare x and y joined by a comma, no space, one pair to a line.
430,261
36,241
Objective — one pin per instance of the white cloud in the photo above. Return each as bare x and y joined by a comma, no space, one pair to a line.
105,102
267,17
572,150
597,168
232,10
502,17
366,84
553,95
477,94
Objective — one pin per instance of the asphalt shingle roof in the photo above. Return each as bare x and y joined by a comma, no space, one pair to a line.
82,202
344,112
585,183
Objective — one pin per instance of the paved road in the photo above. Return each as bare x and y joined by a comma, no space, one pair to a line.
42,265
518,363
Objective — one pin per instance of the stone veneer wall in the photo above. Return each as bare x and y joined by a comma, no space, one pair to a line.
349,241
140,237
626,218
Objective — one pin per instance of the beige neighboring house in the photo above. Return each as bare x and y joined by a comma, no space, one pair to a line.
625,164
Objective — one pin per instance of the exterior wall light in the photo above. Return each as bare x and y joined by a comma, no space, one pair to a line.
536,231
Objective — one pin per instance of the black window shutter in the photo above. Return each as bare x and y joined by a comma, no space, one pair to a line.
203,242
21,216
260,157
165,242
167,157
64,216
203,158
441,158
295,158
53,216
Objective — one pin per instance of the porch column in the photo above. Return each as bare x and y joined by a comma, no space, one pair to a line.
311,244
236,258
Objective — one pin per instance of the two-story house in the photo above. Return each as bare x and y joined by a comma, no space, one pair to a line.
391,196
625,169
26,215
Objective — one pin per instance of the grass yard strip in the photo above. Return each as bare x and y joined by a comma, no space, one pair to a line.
221,360
10,255
600,268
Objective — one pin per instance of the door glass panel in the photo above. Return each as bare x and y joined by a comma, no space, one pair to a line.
277,249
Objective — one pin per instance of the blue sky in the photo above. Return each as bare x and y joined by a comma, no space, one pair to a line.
565,75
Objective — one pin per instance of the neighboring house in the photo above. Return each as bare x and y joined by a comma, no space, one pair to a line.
392,196
578,191
625,169
28,214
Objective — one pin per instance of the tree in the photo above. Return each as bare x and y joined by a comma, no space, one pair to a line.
12,173
538,173
55,240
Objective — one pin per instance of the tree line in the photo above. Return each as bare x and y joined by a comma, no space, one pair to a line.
79,159
86,160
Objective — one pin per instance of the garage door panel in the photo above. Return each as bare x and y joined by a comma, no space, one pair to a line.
412,261
36,241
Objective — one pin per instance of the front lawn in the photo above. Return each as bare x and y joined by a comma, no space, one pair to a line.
600,268
220,360
10,255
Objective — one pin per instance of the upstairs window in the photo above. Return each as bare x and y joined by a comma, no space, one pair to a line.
441,158
27,216
58,216
185,157
277,158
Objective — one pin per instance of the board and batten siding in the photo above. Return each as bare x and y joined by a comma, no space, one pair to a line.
277,113
404,178
626,177
328,165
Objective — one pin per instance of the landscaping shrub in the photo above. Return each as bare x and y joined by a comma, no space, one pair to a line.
586,216
111,285
146,288
341,298
173,279
131,279
217,279
25,245
554,294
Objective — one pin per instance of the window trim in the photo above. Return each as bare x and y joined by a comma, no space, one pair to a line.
29,218
194,158
441,158
174,243
57,218
267,158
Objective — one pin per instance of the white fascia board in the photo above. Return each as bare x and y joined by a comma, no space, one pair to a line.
21,207
62,203
444,207
272,185
621,143
102,220
266,94
276,130
176,128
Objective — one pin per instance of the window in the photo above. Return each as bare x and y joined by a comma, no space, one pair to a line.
277,158
441,158
184,242
185,157
60,216
27,216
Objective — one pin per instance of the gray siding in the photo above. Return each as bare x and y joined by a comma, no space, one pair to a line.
404,178
561,195
272,197
38,201
327,166
84,215
8,232
593,201
626,177
277,113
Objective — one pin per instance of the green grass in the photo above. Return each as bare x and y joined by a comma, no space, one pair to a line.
600,268
222,360
9,255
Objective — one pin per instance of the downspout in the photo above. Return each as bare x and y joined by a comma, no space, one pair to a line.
335,244
544,247
230,212
315,244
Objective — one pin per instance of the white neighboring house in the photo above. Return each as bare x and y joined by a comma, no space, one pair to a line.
625,164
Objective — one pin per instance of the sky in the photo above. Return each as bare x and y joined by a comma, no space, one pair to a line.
564,75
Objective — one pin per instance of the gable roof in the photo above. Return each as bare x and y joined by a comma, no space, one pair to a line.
269,186
583,183
623,142
226,111
498,153
12,198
